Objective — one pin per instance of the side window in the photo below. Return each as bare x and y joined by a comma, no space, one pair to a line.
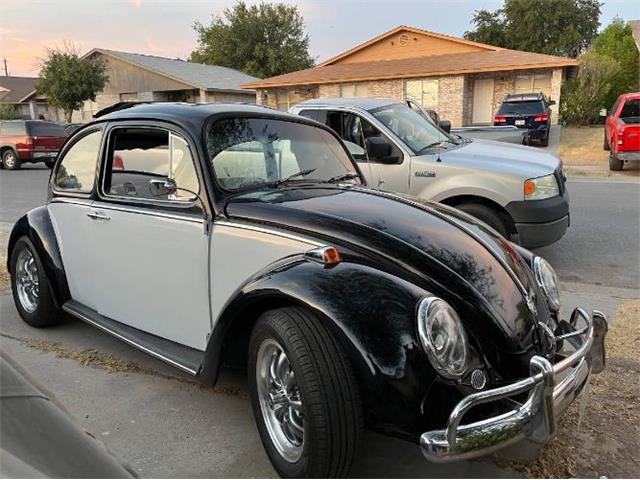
138,155
14,128
77,170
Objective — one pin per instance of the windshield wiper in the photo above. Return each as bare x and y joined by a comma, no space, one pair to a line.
426,147
301,173
344,176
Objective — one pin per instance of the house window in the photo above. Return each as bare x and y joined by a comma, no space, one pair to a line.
350,90
424,91
533,84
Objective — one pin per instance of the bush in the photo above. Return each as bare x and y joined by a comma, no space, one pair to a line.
584,96
9,112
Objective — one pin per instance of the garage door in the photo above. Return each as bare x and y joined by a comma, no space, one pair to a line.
482,100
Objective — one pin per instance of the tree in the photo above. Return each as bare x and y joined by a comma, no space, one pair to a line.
554,27
616,41
67,80
584,96
262,40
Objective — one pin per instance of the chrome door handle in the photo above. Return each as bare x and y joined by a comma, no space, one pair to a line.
97,215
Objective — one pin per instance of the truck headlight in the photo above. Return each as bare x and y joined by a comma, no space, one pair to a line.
443,337
548,281
541,188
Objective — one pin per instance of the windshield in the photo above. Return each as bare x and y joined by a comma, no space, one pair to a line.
521,108
255,152
412,128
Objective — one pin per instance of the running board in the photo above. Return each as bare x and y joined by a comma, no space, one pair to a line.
180,356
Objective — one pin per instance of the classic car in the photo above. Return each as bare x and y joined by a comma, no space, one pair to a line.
257,241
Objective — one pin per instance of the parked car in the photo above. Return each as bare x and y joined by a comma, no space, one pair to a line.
519,191
500,133
622,131
30,141
72,127
259,242
527,111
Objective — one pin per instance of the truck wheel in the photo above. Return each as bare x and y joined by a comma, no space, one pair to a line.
50,164
10,160
614,163
545,141
30,287
487,215
305,399
605,144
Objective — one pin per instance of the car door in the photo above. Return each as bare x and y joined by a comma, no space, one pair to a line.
150,252
355,129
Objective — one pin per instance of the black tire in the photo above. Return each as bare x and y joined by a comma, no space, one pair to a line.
614,163
45,313
10,160
486,214
605,144
326,385
50,163
545,141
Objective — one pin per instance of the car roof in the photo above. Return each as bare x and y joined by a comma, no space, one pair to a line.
356,102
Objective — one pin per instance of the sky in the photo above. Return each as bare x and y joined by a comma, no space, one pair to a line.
165,28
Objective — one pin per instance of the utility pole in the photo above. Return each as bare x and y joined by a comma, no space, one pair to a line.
6,72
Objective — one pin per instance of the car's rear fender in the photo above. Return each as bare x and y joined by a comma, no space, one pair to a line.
36,225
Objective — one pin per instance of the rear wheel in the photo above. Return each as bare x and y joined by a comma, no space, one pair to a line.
50,163
30,287
305,399
488,215
545,141
10,160
614,163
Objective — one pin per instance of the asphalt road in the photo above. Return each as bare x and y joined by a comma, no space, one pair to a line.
600,248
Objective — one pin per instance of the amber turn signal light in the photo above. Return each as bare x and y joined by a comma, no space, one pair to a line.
328,256
529,188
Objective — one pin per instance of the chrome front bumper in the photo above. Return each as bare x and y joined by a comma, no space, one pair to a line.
550,393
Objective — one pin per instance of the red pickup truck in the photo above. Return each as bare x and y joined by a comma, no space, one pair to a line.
622,131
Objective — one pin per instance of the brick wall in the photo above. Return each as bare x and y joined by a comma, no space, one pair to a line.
451,99
393,89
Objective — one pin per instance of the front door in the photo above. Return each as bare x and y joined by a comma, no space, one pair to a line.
482,100
152,259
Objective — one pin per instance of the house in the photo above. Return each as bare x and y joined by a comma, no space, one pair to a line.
635,31
464,81
138,77
20,93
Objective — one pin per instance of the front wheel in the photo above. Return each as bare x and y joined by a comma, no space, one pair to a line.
30,286
10,160
487,215
305,399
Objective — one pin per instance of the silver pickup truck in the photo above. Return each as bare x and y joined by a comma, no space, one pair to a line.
517,190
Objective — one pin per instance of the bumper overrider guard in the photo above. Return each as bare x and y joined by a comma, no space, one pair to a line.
550,393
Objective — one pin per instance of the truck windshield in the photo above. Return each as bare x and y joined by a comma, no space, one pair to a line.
413,129
258,152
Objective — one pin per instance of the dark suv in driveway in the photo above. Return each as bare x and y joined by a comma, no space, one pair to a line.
33,141
527,110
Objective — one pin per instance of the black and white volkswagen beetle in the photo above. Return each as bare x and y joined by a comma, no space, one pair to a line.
205,234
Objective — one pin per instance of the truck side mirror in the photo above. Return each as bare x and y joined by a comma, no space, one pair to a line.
379,149
445,125
552,102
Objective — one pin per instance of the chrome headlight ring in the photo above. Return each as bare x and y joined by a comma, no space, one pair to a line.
443,337
548,281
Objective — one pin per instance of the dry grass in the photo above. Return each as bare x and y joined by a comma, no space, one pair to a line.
582,154
604,442
5,280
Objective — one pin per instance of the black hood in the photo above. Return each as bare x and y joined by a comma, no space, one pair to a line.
439,248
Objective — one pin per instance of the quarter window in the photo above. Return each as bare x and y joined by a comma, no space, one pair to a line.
138,155
77,171
13,128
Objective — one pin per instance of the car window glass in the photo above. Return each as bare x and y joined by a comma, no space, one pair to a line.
138,155
521,108
248,152
77,168
46,129
630,109
13,128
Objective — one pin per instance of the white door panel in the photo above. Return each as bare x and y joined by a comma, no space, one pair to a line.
483,100
71,226
239,253
153,273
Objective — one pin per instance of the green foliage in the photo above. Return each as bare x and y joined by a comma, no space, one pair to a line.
584,96
554,27
9,112
67,80
262,40
616,41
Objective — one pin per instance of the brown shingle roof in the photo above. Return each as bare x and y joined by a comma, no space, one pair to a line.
17,88
449,64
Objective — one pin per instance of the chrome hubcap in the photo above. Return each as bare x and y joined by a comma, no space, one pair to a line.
9,160
280,400
27,282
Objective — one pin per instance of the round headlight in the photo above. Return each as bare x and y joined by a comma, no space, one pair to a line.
443,337
548,281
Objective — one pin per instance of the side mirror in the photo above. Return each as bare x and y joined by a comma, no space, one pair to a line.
552,102
162,187
379,149
445,125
